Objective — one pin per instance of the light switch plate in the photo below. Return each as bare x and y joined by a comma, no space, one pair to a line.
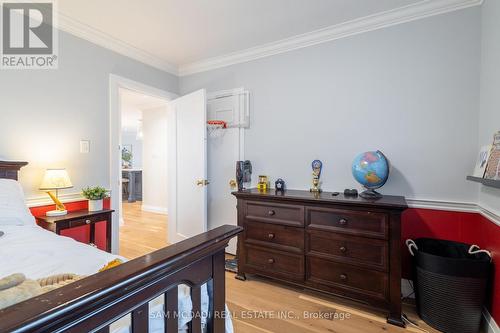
84,146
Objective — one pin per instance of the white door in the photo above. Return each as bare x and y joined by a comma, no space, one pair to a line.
223,152
187,157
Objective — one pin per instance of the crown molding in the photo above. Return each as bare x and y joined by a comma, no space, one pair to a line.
84,31
420,10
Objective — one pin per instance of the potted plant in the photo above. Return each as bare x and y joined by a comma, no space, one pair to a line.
126,158
95,196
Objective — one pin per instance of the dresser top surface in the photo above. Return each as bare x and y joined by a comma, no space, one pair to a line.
73,215
387,201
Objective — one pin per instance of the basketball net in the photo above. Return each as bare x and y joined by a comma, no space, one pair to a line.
216,128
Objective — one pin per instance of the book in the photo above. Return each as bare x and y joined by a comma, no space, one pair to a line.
493,165
482,161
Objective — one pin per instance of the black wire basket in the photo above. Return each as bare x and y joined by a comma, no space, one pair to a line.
450,280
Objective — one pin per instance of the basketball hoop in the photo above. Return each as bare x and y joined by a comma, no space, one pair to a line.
216,128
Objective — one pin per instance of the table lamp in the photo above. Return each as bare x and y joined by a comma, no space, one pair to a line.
56,179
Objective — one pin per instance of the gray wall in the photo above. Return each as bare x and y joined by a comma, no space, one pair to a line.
411,90
45,113
490,90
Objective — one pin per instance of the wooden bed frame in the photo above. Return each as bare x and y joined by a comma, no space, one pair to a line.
95,302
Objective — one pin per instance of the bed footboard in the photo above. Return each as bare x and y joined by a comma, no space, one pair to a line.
95,302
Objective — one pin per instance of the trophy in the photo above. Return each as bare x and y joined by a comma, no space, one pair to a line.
263,184
317,165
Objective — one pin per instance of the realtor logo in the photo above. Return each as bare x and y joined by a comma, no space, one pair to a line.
29,39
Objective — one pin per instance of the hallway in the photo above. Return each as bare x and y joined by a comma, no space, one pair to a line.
142,232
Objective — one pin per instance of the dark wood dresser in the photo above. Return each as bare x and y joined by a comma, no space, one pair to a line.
340,245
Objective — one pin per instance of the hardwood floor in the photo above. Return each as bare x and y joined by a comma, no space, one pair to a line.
142,232
259,305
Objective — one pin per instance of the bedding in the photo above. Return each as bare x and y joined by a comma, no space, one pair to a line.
38,253
13,209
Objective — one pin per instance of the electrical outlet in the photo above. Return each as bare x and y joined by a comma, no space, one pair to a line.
84,146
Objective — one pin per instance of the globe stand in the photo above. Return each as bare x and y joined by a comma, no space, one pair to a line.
370,195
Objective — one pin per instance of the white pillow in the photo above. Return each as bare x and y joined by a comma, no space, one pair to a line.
13,209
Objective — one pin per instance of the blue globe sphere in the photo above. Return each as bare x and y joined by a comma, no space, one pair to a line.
371,169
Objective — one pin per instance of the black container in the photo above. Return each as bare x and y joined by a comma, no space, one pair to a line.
450,285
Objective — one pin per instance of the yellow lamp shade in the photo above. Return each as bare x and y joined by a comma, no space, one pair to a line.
55,179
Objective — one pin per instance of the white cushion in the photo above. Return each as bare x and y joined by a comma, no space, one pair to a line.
13,209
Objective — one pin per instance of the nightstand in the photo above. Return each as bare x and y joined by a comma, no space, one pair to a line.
77,219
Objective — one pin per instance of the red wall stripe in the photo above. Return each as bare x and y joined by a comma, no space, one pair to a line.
81,234
471,228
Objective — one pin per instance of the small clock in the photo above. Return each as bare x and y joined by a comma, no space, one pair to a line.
279,185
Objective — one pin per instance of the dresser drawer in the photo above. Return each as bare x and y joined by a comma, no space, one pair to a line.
85,221
359,251
275,213
349,280
354,222
281,237
275,263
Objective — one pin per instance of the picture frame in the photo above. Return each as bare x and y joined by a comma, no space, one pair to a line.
493,166
482,161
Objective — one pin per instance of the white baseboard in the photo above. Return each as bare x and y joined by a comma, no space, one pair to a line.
489,324
154,209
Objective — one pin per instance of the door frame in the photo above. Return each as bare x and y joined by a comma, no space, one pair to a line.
115,83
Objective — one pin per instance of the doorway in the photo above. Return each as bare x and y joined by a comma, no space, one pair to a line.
144,209
186,159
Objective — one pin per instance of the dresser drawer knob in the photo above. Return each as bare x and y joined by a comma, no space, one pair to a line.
343,249
270,261
342,221
271,213
343,277
87,221
270,235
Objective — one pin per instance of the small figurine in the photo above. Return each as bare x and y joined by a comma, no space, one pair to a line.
317,165
279,185
263,184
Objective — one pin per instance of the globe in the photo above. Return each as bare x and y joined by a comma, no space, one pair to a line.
371,169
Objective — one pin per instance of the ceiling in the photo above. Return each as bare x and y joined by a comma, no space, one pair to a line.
132,106
185,31
176,34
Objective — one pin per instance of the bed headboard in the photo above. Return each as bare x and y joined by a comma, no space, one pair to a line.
10,169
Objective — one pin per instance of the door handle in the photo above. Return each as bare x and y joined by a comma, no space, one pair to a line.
202,182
